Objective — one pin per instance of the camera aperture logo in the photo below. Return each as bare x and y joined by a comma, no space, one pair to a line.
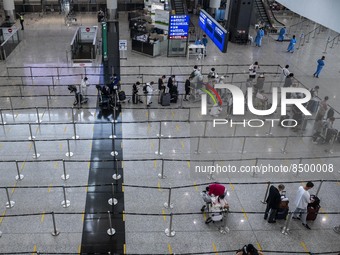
239,104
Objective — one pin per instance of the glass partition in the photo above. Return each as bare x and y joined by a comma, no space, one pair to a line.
9,44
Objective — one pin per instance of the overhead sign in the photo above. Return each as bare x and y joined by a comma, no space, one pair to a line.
213,30
179,26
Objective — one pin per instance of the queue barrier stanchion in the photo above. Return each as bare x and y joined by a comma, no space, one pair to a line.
161,175
224,228
64,176
55,232
31,73
199,138
297,170
116,176
169,231
168,204
11,104
31,137
331,146
284,149
181,102
112,200
158,152
2,118
65,203
75,136
20,92
48,105
317,192
285,228
19,176
9,203
35,155
38,117
256,162
114,153
49,91
269,133
211,176
265,195
111,231
58,75
69,153
113,130
242,151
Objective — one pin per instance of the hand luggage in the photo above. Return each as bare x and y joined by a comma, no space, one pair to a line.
216,214
283,210
165,99
313,208
121,96
330,134
135,98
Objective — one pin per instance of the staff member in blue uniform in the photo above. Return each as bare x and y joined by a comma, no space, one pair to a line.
321,64
281,34
291,44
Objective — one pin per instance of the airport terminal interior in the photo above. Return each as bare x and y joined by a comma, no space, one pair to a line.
98,172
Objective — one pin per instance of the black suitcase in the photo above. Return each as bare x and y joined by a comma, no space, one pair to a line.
165,99
313,208
282,213
121,96
135,99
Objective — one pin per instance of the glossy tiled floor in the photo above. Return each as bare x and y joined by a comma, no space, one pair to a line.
45,43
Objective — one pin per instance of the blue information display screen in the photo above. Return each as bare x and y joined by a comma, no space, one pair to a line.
179,26
213,30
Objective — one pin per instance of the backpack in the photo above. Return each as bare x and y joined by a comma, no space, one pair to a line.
145,89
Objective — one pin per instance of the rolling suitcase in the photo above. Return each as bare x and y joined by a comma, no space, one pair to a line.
283,210
313,208
121,96
165,99
135,99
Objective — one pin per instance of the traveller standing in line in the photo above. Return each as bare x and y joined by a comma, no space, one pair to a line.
171,82
288,81
291,44
83,87
285,73
187,89
149,90
301,203
258,38
248,250
323,107
205,43
161,86
321,64
21,19
281,34
273,202
252,70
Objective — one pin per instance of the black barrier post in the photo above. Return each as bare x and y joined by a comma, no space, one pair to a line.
254,172
11,104
49,91
199,138
283,150
265,195
116,176
181,105
113,130
2,119
297,170
31,137
112,200
68,153
48,105
317,192
35,155
58,77
10,203
75,136
31,73
65,203
242,151
114,153
168,204
269,133
20,91
285,228
111,231
161,175
159,135
64,176
55,231
19,176
189,115
38,118
169,231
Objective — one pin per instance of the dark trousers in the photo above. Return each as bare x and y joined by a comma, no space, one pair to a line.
22,24
270,213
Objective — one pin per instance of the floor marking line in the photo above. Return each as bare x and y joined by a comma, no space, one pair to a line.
2,216
155,164
61,147
79,248
34,249
124,249
304,247
214,248
56,165
232,186
170,249
182,143
22,165
14,187
123,215
49,188
188,164
83,216
164,216
259,246
123,187
65,129
204,216
159,186
42,217
195,185
244,214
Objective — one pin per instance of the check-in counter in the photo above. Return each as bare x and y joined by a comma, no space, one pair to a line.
150,49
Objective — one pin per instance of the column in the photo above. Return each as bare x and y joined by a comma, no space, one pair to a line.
214,4
111,9
9,9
